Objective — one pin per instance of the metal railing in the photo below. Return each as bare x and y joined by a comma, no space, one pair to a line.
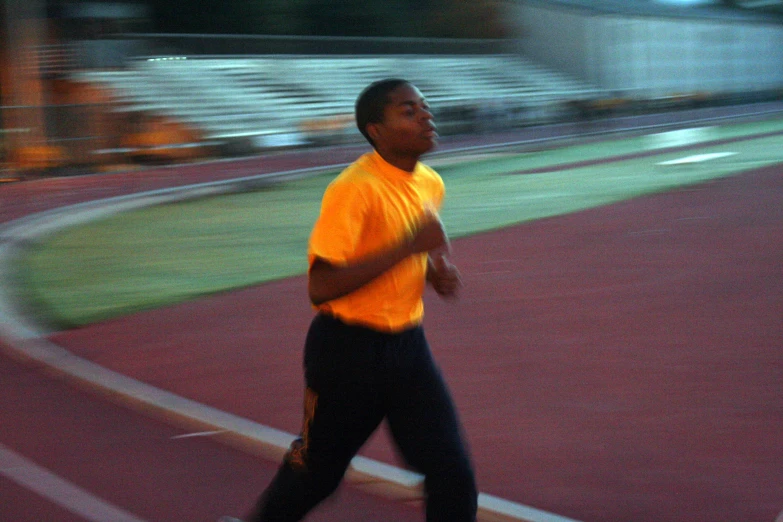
237,45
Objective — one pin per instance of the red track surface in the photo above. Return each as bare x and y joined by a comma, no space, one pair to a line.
132,461
619,364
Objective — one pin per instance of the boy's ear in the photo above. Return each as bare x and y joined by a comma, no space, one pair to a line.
372,130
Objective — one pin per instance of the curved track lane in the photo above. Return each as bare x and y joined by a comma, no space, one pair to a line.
617,364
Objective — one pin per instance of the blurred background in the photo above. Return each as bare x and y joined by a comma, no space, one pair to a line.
106,85
651,386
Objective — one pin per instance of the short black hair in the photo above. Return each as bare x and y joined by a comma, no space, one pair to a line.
372,101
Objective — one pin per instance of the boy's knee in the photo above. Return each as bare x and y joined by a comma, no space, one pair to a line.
321,474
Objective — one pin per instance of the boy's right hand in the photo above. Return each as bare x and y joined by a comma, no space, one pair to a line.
430,236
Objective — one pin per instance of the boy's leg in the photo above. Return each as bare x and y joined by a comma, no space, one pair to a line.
425,426
316,462
342,409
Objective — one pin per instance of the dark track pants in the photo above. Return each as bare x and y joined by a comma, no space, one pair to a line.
355,378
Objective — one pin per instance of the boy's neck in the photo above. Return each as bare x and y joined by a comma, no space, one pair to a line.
406,163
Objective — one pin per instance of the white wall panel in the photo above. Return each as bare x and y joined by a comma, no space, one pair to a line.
651,56
555,37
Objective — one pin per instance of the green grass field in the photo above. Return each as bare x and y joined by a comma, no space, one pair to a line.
170,253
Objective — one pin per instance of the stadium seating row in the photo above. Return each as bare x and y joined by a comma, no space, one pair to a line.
169,109
227,98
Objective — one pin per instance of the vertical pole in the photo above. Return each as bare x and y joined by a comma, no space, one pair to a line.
22,93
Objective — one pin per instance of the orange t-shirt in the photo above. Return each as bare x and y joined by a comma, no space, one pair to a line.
370,207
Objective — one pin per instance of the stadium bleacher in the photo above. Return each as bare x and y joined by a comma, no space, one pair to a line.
290,100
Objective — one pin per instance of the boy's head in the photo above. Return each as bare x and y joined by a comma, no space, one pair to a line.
372,102
394,117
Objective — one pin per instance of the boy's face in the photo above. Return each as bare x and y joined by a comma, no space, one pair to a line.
407,128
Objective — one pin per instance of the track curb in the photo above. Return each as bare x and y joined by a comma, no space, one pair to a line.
24,340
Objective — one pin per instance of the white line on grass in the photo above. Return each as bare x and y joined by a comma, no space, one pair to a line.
697,158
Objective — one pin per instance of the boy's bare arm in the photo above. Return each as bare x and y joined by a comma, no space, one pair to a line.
444,277
328,281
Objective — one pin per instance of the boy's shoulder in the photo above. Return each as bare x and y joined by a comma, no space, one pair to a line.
360,171
428,171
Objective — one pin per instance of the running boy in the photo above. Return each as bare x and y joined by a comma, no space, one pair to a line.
376,244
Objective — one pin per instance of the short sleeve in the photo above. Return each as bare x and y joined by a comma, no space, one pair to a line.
338,229
435,187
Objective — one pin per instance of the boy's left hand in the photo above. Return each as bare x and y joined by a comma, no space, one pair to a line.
444,277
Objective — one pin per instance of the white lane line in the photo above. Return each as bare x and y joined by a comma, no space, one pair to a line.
513,511
27,339
650,232
272,443
30,475
198,434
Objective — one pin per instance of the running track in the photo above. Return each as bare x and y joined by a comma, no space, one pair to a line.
619,364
